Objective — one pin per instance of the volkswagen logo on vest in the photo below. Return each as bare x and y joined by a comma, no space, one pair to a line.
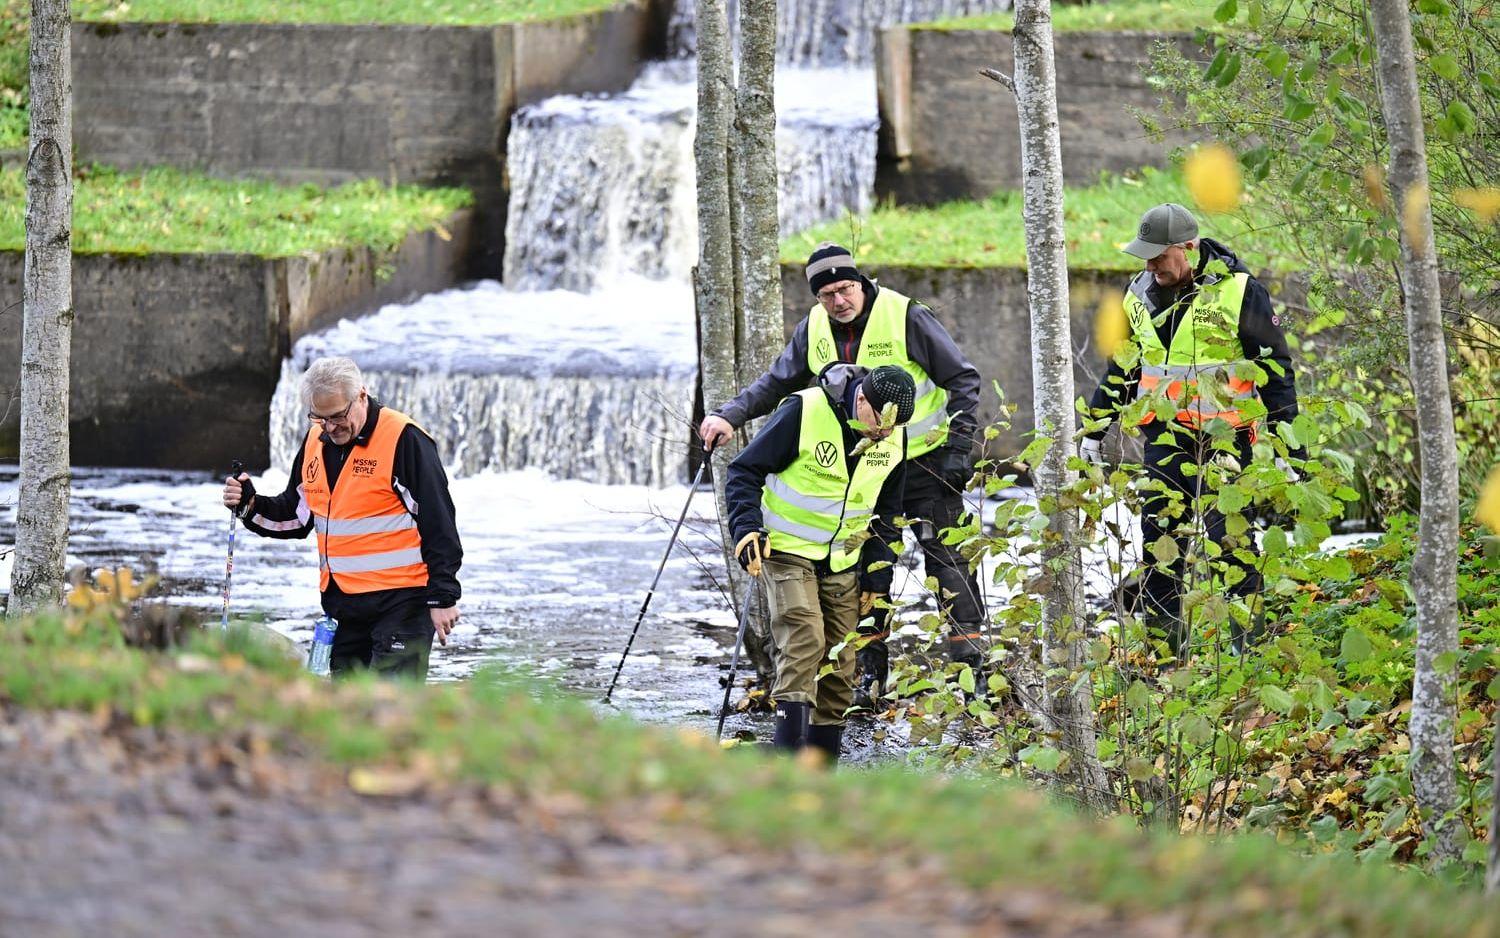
825,453
825,349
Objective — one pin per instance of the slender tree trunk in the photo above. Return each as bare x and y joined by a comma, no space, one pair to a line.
1434,568
42,504
1064,642
762,334
716,283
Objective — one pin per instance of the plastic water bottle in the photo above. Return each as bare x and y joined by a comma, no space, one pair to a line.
322,646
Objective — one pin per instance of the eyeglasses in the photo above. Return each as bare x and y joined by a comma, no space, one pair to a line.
331,418
846,291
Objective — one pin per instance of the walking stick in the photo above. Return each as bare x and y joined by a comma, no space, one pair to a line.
734,663
234,470
645,603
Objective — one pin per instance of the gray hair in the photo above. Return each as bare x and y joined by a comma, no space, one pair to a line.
331,375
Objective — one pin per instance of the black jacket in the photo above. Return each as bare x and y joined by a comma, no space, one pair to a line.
776,447
927,342
1260,336
418,479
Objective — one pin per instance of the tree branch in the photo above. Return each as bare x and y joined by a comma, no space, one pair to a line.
995,75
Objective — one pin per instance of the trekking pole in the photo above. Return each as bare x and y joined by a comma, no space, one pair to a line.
645,603
234,471
734,663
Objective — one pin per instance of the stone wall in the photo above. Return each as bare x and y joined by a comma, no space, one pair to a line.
332,103
948,133
176,356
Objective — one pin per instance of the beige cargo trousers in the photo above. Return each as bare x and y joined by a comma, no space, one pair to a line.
811,614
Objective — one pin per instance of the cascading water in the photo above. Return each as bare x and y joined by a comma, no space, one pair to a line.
582,365
833,33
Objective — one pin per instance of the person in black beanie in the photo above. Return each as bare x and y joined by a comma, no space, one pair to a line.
812,503
857,321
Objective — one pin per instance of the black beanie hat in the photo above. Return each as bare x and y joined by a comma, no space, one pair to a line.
830,263
890,384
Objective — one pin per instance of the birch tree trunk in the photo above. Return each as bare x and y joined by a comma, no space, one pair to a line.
762,335
716,283
1434,568
47,297
1064,642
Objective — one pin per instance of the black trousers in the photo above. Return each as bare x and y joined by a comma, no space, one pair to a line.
389,632
1171,512
932,507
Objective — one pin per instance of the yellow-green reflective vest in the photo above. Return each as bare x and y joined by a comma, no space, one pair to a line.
884,343
1205,350
813,508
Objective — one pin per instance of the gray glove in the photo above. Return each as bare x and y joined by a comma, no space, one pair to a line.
1091,450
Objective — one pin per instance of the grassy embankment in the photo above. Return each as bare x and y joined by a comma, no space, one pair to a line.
14,15
165,210
1100,219
490,731
1153,15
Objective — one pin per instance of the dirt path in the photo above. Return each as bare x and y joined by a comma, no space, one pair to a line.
113,830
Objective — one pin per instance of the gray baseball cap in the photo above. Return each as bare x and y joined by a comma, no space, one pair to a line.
1161,227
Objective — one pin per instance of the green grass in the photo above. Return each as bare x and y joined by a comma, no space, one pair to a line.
165,210
1100,219
528,740
1154,15
435,12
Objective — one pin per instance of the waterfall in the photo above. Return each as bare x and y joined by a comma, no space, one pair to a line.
508,380
832,33
583,363
604,187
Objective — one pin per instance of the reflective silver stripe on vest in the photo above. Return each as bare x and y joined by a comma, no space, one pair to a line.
380,524
1170,373
369,563
807,532
821,506
925,388
916,431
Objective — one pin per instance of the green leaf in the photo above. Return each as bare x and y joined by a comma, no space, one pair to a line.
1164,549
1042,758
1197,730
1462,117
1138,769
1226,11
1216,67
1393,821
1231,71
1446,66
1276,698
1355,645
1300,109
1492,690
1276,60
966,679
1381,787
1138,697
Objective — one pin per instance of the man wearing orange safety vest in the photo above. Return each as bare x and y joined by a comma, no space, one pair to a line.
1188,326
370,483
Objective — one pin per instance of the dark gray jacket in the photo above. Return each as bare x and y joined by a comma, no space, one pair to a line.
927,342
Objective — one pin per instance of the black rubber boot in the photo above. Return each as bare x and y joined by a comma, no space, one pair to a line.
829,739
791,726
874,665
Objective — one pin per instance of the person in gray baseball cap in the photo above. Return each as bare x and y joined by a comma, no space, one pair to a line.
859,322
1194,313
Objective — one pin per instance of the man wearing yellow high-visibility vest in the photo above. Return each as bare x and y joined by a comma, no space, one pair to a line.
812,503
857,321
1190,325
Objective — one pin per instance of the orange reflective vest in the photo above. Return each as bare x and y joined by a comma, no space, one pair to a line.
1198,371
367,538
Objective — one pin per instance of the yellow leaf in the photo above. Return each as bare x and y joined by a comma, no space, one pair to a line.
443,233
1111,328
1487,509
1484,202
1414,217
384,782
1213,178
1375,186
